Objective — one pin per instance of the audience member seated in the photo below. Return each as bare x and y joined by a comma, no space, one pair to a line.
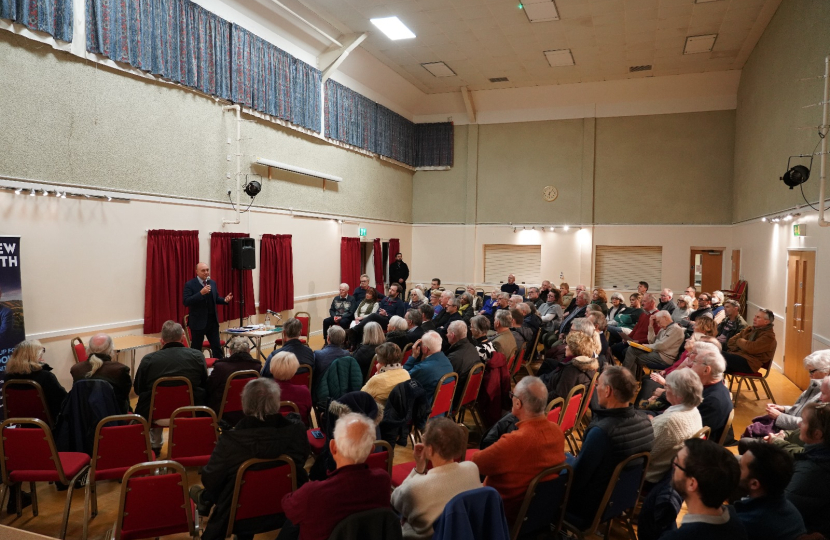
435,302
490,303
521,333
465,308
283,368
600,298
790,441
551,314
428,364
642,288
440,313
372,337
683,310
600,326
390,373
239,360
809,489
333,349
753,346
315,509
664,344
478,301
450,314
341,311
565,294
705,474
396,331
765,511
531,317
26,363
666,302
578,367
717,307
416,299
360,291
545,289
511,462
616,432
617,306
389,306
367,306
463,354
510,287
291,331
503,341
172,360
427,314
717,401
414,319
263,433
640,332
435,285
677,423
732,322
99,365
515,300
580,302
421,498
533,296
691,292
704,308
479,326
780,417
626,318
572,305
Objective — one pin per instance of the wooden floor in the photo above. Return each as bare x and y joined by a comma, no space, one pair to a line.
51,502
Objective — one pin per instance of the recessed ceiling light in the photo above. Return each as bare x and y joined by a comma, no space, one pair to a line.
439,69
700,44
635,69
393,28
704,1
499,79
560,57
540,10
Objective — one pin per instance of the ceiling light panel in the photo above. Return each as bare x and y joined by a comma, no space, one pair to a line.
393,28
540,10
560,58
700,44
439,69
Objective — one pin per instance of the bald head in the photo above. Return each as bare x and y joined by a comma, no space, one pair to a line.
202,271
101,344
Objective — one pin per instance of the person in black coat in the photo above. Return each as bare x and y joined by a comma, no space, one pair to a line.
399,272
99,365
239,360
263,433
26,363
201,295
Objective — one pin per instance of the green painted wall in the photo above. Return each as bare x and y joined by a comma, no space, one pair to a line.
68,121
770,101
439,196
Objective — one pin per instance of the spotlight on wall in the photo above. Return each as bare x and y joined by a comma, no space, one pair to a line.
45,193
109,198
252,188
17,191
797,175
32,193
552,229
565,228
764,218
788,217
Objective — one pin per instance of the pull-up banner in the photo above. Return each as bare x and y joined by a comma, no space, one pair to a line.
11,298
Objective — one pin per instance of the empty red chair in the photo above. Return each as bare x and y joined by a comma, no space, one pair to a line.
78,349
554,410
192,438
232,396
573,403
28,454
153,505
23,398
470,394
259,489
117,448
444,392
303,376
305,319
169,394
381,459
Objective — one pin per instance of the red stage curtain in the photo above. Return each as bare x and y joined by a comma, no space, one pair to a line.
227,279
378,258
394,248
171,261
276,273
350,262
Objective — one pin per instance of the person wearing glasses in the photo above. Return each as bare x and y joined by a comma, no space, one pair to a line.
360,291
753,346
809,490
717,401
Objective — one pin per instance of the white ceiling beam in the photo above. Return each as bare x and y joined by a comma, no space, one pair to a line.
469,104
330,60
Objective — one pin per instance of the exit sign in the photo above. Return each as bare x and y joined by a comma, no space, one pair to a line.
362,231
798,230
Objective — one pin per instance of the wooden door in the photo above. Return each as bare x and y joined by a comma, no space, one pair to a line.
798,336
736,267
706,270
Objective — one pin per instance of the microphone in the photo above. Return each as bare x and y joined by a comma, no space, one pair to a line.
274,313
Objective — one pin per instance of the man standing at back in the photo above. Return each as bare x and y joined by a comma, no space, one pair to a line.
201,295
173,360
399,272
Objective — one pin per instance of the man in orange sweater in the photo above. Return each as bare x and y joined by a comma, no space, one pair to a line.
512,461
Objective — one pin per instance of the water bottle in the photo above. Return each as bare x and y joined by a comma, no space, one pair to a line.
267,320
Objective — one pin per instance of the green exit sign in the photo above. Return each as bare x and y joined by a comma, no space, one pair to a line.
799,230
362,231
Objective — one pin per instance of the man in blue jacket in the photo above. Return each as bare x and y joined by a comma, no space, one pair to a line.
201,295
434,365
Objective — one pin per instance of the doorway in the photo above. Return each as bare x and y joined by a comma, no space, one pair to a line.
798,334
706,270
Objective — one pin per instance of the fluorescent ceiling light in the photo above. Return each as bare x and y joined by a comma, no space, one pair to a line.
439,69
560,57
704,1
700,44
393,28
540,10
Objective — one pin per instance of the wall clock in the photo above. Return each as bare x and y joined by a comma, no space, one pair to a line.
550,193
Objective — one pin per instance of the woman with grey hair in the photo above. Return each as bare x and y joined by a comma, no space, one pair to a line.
416,299
372,337
617,305
396,331
465,307
683,309
679,422
239,360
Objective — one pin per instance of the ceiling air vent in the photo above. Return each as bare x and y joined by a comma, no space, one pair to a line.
499,79
635,69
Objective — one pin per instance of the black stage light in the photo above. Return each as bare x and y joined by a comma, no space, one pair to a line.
797,175
253,188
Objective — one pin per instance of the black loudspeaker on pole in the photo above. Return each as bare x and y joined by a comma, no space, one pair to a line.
243,257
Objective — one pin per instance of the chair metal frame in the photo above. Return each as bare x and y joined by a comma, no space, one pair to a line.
91,491
556,522
750,378
568,432
240,481
728,425
391,452
7,482
74,350
626,514
193,409
704,433
37,388
156,384
248,374
290,404
441,382
586,405
471,405
166,465
560,401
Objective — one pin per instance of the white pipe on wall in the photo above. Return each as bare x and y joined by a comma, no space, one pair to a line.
823,157
238,164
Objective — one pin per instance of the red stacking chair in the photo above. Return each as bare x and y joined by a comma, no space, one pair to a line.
205,343
305,319
406,354
303,376
23,398
232,396
382,459
704,433
470,395
586,405
444,392
554,410
28,454
573,404
750,378
78,349
192,438
374,367
518,365
169,394
153,505
116,449
317,445
259,488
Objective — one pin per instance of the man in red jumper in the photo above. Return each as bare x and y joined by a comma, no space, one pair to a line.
639,334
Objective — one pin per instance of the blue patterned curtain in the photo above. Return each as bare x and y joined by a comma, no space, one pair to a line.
306,82
395,137
434,145
51,16
260,74
350,117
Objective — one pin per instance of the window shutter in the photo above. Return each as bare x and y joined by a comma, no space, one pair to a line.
623,267
525,262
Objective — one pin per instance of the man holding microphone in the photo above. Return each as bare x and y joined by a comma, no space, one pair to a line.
201,295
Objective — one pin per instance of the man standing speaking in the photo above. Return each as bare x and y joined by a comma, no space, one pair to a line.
201,295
